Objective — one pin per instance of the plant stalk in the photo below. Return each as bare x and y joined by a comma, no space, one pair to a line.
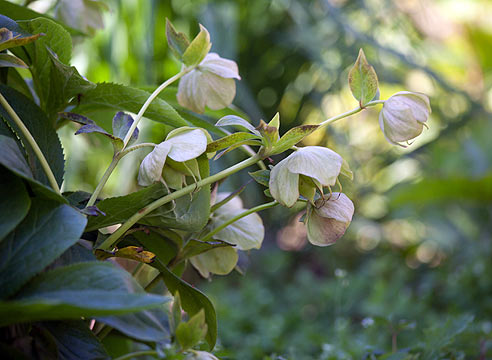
111,240
136,354
349,113
261,207
32,142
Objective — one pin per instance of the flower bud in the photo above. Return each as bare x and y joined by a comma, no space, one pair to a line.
327,221
318,163
403,116
210,84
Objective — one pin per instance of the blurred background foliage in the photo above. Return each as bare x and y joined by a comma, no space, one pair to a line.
414,268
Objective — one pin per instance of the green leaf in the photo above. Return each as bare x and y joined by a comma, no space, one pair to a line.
176,315
198,49
7,60
262,177
47,231
345,170
87,289
42,131
75,341
190,333
147,325
192,300
292,137
15,202
12,159
120,97
65,83
177,41
363,81
229,140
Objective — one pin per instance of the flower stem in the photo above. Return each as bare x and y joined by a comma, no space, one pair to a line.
128,135
111,240
237,217
32,142
349,113
149,101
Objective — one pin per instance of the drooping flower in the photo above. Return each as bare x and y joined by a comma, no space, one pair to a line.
210,84
403,116
328,219
302,172
180,147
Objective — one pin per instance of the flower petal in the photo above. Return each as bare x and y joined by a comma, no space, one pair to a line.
317,162
220,91
151,167
246,233
187,145
284,185
338,207
219,66
323,231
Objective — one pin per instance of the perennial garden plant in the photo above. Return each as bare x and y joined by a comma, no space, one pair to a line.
63,287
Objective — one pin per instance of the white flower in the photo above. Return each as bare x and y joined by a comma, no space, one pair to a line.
328,222
187,145
210,84
320,164
403,116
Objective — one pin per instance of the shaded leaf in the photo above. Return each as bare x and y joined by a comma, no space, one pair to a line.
177,41
129,252
262,177
7,60
121,125
190,333
15,202
47,231
198,48
292,137
220,261
121,97
81,290
363,81
229,140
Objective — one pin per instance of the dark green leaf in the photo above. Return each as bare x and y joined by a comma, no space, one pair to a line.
147,325
86,289
48,230
42,131
164,249
292,137
75,341
192,300
120,97
12,35
197,247
15,202
363,81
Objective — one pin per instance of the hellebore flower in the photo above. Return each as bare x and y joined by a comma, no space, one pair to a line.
403,116
316,165
187,145
327,220
211,83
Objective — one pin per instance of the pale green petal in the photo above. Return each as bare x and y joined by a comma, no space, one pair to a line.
338,207
220,261
284,185
220,91
151,167
323,231
234,204
188,145
317,162
247,233
219,66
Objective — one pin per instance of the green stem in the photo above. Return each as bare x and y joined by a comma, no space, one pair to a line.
135,147
137,353
111,240
149,101
128,135
32,142
348,113
237,217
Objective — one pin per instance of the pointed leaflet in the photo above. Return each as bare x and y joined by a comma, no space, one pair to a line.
177,41
229,140
12,35
48,230
363,81
292,137
85,289
7,60
238,122
190,333
198,49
